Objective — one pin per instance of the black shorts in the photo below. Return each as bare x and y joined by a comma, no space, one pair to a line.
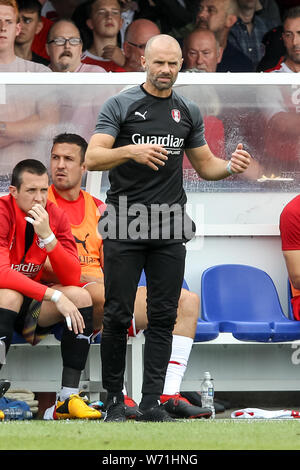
26,323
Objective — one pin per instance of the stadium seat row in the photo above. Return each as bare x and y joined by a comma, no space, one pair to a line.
237,299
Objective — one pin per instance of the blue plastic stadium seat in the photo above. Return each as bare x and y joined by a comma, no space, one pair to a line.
205,330
244,301
290,308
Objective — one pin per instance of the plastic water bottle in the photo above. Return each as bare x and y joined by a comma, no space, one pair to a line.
15,413
207,393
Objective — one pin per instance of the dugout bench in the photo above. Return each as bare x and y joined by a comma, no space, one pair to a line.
38,368
235,366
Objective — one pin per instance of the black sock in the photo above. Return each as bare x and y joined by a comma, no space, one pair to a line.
75,348
149,400
70,377
115,397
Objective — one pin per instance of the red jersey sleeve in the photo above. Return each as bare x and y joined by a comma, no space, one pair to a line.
9,278
290,225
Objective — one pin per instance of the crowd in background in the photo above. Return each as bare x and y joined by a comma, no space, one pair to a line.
110,35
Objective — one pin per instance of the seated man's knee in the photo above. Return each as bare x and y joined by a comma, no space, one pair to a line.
11,299
96,292
98,313
80,297
189,304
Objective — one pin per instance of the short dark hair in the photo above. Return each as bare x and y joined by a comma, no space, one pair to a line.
293,12
30,5
35,167
76,139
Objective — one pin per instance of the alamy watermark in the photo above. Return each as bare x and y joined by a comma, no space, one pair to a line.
154,222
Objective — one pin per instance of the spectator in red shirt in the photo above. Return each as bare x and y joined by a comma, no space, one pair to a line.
40,39
33,229
105,21
58,9
290,62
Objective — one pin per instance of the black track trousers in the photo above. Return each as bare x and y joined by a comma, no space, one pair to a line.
163,262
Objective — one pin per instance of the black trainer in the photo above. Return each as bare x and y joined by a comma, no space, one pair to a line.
179,407
4,386
195,399
115,412
155,414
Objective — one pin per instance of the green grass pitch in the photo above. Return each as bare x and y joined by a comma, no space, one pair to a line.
219,434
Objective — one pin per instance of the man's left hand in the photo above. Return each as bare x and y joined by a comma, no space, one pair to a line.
240,160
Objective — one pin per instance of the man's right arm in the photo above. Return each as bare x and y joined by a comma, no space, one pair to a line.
289,225
102,156
292,261
14,280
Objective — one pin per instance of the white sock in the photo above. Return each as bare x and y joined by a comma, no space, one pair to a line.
124,391
181,349
65,392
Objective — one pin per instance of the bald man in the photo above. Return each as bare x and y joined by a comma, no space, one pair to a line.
136,37
219,16
202,51
140,136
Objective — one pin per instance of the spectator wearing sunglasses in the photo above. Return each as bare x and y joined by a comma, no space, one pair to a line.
64,46
136,37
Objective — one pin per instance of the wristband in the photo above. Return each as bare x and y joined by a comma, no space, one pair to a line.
56,296
49,239
228,168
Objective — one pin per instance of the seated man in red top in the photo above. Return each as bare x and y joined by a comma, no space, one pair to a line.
32,229
290,242
67,168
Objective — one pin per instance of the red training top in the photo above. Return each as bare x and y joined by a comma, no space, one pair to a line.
23,273
290,237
